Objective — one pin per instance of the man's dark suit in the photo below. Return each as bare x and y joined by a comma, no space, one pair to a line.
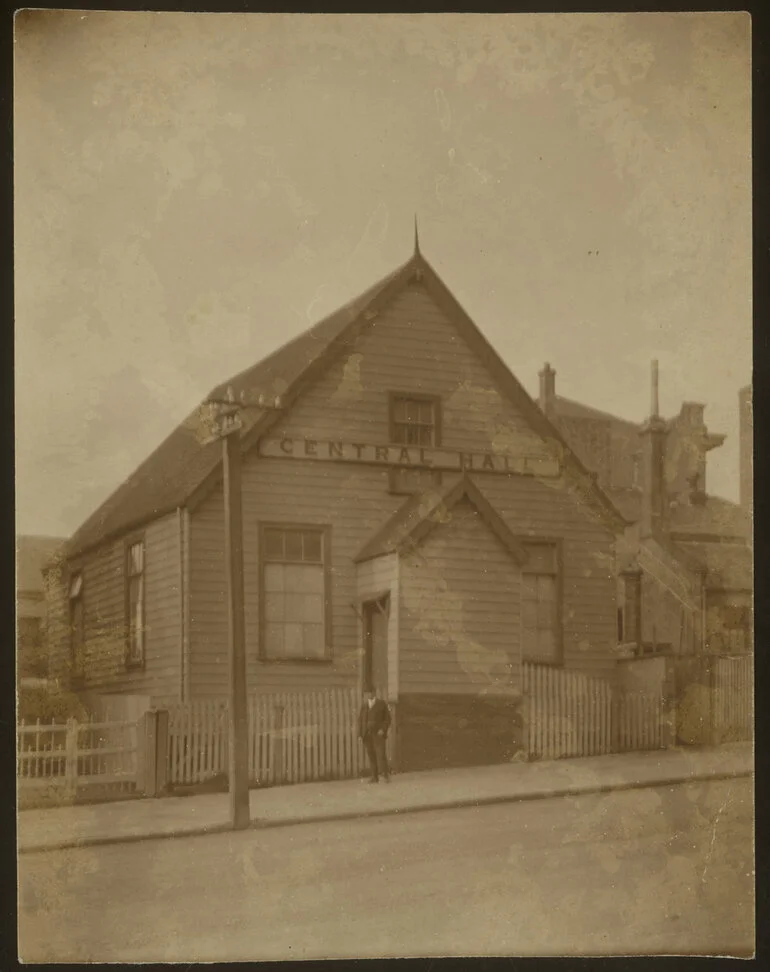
373,725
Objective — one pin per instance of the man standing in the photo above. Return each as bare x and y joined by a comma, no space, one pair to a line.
373,725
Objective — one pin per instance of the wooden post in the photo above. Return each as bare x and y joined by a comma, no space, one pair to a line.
278,747
144,755
238,753
616,739
71,759
161,752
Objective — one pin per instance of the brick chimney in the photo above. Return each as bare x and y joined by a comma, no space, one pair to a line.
547,400
746,448
653,436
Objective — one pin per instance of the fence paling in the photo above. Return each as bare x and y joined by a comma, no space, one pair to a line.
293,737
573,714
103,753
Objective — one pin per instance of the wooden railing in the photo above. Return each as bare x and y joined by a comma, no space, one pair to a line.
293,737
67,758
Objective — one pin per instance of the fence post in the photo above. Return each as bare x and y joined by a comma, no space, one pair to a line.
712,732
393,756
615,735
161,752
145,753
279,749
71,759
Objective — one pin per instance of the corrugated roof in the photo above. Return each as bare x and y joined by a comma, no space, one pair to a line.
32,555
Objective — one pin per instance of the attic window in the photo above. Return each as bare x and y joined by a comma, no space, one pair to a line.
415,420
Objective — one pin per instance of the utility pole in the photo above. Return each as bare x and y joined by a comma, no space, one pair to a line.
222,421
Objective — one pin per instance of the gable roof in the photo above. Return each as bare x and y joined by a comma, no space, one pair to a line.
422,513
170,474
181,469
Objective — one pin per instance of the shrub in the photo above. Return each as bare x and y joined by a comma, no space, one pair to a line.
49,705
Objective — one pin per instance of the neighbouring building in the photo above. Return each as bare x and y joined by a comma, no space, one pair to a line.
685,563
32,554
410,518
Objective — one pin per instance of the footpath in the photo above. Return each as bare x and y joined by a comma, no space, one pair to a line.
165,817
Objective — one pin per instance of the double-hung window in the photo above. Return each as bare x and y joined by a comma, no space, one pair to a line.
540,604
415,423
135,603
295,620
77,626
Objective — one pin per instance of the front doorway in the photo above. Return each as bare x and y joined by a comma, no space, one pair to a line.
375,659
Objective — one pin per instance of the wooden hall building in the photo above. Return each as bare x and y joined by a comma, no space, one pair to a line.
411,517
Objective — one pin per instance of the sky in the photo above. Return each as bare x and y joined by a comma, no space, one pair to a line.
193,190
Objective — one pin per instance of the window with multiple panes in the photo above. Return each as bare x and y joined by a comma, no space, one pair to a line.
294,578
415,421
135,602
77,625
540,607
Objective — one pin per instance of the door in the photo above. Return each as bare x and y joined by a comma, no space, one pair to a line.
375,667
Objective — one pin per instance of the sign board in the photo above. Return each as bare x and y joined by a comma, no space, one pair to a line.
409,456
217,421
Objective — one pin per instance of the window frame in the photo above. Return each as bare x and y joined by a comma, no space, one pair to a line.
421,398
394,473
558,547
324,529
72,600
129,542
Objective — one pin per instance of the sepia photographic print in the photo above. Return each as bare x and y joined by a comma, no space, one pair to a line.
384,485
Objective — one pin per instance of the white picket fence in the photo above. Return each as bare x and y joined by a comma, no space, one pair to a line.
68,758
572,714
294,737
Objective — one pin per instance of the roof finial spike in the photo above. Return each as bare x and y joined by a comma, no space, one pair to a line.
416,237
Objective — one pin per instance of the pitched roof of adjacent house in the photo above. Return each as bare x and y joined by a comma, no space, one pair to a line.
182,465
423,512
32,554
728,566
569,409
713,516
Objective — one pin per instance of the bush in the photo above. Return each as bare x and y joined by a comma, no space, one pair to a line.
49,705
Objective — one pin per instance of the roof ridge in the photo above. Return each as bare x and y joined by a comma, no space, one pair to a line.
181,467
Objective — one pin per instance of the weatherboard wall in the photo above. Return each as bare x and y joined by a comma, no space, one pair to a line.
410,346
460,611
104,599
